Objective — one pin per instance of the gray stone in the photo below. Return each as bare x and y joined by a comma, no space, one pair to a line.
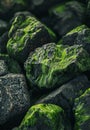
14,97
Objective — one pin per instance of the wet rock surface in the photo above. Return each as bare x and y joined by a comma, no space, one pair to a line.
44,64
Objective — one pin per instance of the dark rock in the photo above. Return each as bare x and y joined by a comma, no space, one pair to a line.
79,36
3,27
66,94
82,111
40,7
12,65
67,16
46,117
14,98
52,65
26,34
9,7
3,42
3,68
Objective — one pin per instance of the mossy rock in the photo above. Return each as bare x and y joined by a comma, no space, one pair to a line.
26,34
66,16
12,65
82,111
44,117
9,7
52,65
80,36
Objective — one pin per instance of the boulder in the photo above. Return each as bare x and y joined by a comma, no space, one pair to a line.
80,36
52,65
66,16
82,111
44,117
14,99
26,34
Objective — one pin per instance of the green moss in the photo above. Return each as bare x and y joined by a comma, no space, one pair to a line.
48,113
77,29
51,65
82,109
58,9
25,35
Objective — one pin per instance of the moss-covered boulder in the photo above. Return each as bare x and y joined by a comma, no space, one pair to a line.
25,35
12,65
66,16
80,36
44,117
82,111
52,65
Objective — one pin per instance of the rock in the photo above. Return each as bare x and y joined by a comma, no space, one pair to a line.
3,43
9,7
3,27
25,35
67,16
3,68
44,117
14,98
82,111
65,95
52,65
12,65
79,36
40,7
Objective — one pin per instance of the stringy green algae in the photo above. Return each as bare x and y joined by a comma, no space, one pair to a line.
49,113
82,113
49,65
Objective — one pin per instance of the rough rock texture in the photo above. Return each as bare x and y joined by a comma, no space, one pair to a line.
52,65
3,68
3,42
66,16
66,94
11,64
25,35
44,117
14,97
82,111
79,36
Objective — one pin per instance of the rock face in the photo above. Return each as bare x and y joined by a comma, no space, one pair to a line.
82,111
52,65
44,116
25,35
79,36
14,97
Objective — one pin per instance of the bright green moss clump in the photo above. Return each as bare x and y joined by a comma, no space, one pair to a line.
52,65
43,117
26,34
82,111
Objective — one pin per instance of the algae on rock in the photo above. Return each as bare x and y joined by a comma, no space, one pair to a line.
26,34
51,65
